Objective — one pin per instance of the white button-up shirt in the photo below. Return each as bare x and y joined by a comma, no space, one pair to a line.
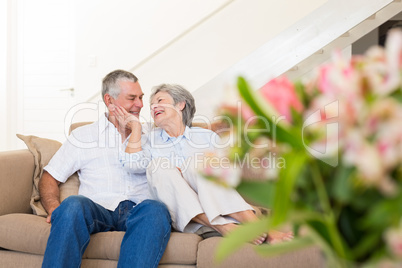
93,151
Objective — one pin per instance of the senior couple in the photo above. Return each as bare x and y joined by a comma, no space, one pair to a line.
123,187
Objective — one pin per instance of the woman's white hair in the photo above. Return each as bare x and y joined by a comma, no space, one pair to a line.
179,94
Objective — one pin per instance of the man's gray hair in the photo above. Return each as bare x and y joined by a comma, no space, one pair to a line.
111,82
179,94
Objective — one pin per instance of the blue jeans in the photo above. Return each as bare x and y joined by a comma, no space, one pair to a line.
147,227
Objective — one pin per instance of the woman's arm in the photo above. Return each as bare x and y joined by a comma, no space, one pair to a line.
132,123
135,158
135,162
134,142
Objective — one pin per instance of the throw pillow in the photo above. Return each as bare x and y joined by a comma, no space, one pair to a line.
43,150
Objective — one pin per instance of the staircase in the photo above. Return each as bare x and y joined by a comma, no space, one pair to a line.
296,51
345,40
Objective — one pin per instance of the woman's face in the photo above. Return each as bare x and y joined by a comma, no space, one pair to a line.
163,109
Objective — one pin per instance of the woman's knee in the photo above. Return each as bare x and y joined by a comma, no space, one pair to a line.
158,169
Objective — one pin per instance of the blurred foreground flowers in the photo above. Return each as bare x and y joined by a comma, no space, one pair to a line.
338,139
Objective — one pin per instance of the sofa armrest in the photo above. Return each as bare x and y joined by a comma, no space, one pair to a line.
16,173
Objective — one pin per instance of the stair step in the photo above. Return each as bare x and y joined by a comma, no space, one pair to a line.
372,17
347,34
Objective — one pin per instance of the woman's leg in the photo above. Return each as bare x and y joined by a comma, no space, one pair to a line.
168,186
218,201
273,236
223,229
215,199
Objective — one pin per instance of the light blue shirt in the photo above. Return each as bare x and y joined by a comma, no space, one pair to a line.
175,151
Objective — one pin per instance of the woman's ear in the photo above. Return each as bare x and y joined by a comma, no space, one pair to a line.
181,105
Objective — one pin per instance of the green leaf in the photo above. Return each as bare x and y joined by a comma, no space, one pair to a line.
242,235
321,228
397,94
333,259
295,161
368,243
326,230
261,193
342,189
301,93
297,119
279,132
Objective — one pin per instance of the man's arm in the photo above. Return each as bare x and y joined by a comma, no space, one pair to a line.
49,193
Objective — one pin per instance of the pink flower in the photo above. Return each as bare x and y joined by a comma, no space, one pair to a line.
365,157
339,78
394,50
280,92
380,72
393,238
382,67
247,113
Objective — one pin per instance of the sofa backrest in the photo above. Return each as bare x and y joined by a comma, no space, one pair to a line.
217,126
16,168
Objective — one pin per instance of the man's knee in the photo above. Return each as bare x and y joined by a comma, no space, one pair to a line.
155,211
71,206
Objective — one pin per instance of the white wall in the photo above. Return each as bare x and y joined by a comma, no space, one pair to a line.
121,34
179,41
3,75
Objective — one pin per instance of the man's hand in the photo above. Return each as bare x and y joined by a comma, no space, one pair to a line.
49,217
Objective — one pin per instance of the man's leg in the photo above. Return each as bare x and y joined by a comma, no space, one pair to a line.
72,223
147,234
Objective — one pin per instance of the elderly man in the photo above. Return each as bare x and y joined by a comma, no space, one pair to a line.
110,199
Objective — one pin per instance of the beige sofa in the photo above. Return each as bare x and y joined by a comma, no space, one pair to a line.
23,235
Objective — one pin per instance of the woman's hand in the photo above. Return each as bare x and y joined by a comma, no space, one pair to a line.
124,118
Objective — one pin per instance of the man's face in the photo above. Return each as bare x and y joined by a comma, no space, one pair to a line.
130,97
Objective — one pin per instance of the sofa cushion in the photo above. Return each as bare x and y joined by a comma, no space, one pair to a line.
43,150
181,249
29,233
246,256
24,232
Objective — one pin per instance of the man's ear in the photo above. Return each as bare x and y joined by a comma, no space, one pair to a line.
107,99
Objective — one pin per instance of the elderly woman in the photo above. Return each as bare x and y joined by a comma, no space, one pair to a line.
168,158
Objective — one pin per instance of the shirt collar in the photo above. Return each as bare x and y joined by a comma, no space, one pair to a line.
187,133
165,137
104,123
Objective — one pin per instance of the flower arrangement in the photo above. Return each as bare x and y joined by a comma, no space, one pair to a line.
338,139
